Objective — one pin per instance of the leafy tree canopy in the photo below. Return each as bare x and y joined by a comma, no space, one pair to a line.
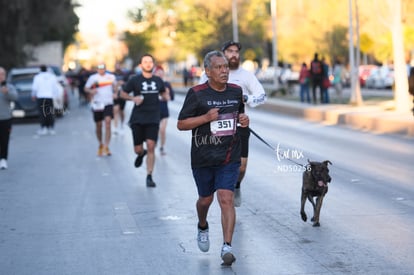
25,22
181,27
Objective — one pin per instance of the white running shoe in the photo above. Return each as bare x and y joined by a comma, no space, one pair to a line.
42,131
227,255
3,164
203,240
52,131
237,197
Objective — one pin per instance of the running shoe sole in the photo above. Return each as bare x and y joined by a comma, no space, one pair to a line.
228,259
106,151
150,183
138,160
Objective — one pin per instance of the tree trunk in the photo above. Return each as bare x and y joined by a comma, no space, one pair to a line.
401,96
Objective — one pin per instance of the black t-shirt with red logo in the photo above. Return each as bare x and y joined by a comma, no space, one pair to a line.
216,142
149,111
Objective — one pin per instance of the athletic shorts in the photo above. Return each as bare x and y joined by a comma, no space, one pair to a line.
100,115
142,132
121,102
244,139
209,179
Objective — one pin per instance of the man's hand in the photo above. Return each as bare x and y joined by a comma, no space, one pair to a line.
138,99
212,114
4,89
243,120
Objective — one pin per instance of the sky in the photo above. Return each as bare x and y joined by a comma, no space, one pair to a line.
94,15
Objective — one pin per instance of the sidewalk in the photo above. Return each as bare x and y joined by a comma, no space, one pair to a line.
373,116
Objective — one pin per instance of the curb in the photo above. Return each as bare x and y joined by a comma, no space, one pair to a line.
372,118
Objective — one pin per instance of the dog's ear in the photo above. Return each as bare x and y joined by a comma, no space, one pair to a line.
326,162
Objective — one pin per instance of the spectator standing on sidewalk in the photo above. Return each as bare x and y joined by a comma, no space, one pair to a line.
411,85
316,71
304,76
8,94
338,72
253,94
211,111
101,86
45,88
326,82
144,90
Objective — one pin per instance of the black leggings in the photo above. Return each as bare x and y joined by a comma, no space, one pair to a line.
5,129
46,112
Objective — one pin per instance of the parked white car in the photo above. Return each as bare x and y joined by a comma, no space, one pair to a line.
380,78
284,75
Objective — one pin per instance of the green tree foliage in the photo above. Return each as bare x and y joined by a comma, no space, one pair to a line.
138,44
182,27
337,43
303,27
366,43
25,22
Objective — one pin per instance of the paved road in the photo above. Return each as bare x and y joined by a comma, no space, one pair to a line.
65,211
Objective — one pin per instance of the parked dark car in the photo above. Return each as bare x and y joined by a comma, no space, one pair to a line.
24,106
22,78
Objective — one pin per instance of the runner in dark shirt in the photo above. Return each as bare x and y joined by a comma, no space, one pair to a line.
144,90
208,148
212,111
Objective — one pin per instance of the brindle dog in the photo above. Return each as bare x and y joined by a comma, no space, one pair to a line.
315,184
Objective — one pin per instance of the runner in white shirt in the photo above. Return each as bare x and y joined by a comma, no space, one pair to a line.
253,94
101,86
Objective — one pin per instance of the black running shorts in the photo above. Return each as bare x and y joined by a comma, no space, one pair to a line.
100,115
142,132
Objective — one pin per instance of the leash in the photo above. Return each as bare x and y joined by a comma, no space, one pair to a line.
273,148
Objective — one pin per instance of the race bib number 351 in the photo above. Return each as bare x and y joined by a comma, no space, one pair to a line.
225,125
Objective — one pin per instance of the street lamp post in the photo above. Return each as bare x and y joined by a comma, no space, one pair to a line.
235,21
273,10
356,97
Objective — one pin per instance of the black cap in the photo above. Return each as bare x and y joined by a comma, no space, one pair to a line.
231,43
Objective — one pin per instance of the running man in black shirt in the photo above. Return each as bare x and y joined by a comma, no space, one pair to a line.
145,116
212,111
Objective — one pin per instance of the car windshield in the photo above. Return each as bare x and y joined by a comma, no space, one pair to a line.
56,70
18,77
23,83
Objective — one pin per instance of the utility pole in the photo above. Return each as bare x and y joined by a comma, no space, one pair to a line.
356,97
273,11
235,21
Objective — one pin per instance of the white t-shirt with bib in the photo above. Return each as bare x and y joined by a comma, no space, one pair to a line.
105,88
